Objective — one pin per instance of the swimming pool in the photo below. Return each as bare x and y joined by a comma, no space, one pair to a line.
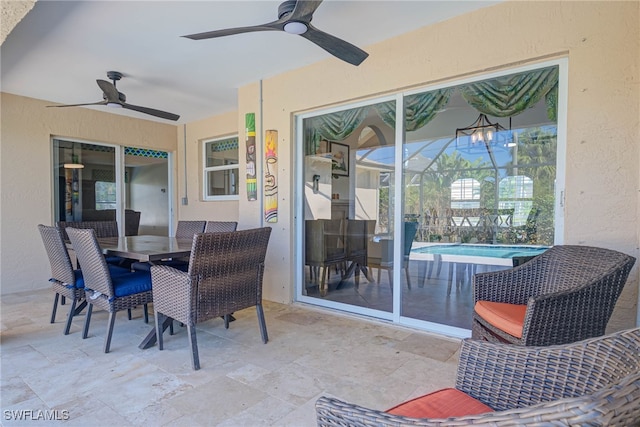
478,254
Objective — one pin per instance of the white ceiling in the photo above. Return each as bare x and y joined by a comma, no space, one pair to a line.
60,48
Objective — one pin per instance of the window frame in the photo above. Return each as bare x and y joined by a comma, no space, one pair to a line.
206,169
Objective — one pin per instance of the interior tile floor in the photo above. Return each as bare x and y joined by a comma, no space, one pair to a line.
242,382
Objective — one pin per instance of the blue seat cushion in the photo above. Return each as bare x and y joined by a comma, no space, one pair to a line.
141,266
79,279
114,271
131,283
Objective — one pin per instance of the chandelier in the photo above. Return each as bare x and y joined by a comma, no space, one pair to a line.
482,131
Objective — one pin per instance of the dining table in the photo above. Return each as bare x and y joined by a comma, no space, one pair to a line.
146,248
151,249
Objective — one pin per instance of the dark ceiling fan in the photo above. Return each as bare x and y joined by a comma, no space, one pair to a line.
113,98
294,17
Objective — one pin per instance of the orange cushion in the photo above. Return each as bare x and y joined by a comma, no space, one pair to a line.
506,317
445,403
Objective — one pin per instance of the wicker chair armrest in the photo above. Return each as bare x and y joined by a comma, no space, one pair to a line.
614,406
173,293
513,286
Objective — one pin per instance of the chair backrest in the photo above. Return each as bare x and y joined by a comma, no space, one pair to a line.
544,374
94,267
227,270
187,229
357,236
324,241
102,228
220,226
131,222
567,267
410,229
61,267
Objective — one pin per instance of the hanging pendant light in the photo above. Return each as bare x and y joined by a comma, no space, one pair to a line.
480,131
75,164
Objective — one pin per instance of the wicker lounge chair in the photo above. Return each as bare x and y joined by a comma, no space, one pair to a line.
595,382
112,293
565,294
225,275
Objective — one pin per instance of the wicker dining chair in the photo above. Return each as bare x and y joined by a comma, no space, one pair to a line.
112,293
225,275
594,382
220,226
566,294
186,229
66,282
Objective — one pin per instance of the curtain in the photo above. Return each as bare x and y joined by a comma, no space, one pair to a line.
333,127
419,109
510,95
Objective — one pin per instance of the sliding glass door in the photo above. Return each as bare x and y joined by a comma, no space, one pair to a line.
95,182
397,219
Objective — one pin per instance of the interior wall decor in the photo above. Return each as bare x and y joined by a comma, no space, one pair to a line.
271,176
339,159
252,181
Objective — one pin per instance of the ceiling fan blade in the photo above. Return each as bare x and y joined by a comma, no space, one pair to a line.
271,26
335,46
110,91
151,111
304,10
80,105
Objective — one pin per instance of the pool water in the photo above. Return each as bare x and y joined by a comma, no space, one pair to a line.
488,251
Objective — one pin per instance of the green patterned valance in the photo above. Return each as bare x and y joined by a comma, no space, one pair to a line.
419,109
510,95
333,126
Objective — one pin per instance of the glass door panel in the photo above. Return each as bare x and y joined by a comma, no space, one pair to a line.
349,165
480,188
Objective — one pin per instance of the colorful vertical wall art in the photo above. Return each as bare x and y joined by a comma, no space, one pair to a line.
252,181
271,176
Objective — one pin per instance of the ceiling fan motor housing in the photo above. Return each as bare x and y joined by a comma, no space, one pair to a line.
286,8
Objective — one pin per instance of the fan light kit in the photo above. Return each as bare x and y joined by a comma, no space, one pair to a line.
111,97
295,28
294,17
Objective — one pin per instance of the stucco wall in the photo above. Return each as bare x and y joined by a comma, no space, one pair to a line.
26,171
601,41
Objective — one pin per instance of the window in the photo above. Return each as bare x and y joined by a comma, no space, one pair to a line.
220,169
105,195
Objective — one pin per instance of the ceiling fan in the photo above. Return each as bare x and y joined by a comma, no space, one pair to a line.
113,98
294,17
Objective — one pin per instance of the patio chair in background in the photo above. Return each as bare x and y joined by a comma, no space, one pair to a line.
386,252
112,293
185,230
594,382
220,226
566,294
325,247
225,275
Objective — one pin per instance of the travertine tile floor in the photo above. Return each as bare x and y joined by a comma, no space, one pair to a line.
242,382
